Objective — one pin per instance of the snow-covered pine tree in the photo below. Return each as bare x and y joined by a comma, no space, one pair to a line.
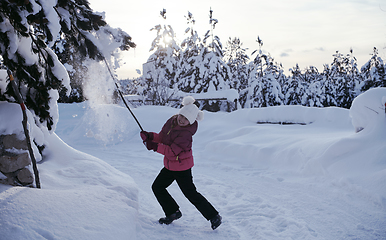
271,91
74,64
354,74
160,68
213,72
187,73
213,75
373,72
28,32
237,61
77,46
294,88
343,72
263,86
255,72
313,96
328,86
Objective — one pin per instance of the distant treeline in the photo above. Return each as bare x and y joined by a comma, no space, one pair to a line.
198,65
260,82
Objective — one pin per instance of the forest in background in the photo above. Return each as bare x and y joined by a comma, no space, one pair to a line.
203,64
200,65
37,38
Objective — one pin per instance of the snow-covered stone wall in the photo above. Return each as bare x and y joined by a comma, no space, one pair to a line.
14,161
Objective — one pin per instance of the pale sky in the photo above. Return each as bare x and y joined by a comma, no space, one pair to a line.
307,32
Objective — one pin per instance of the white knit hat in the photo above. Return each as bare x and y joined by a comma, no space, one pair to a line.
190,110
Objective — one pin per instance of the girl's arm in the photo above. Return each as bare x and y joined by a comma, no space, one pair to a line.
157,137
181,146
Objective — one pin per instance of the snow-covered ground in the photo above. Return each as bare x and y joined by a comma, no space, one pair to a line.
315,180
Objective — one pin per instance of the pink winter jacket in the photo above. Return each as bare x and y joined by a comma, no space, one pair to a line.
175,143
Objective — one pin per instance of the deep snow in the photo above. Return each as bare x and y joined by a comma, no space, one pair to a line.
315,180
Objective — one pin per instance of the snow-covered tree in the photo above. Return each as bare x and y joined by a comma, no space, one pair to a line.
213,72
328,86
187,73
73,63
313,96
374,72
344,74
237,60
77,46
160,68
295,87
354,75
263,86
29,30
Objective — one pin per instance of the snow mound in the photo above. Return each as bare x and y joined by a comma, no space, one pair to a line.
322,143
368,110
295,114
317,179
82,197
259,147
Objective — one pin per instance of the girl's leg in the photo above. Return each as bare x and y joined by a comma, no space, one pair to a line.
163,180
185,182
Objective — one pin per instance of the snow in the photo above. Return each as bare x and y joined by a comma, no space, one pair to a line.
3,84
369,109
316,178
53,25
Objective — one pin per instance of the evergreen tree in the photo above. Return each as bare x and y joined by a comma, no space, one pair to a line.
73,63
255,73
355,77
263,86
374,72
213,72
237,60
187,73
28,32
160,68
24,35
328,86
272,76
78,47
313,96
344,74
294,89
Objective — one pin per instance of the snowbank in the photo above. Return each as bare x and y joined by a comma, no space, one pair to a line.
82,197
313,179
368,110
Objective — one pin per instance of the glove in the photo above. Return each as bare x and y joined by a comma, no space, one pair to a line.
150,145
146,136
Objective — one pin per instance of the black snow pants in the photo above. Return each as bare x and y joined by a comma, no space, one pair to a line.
184,180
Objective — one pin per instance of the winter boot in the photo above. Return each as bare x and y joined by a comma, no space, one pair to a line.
169,219
216,221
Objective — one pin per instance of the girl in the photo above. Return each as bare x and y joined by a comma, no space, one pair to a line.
175,143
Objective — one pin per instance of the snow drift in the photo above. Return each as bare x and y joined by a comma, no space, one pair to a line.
316,178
